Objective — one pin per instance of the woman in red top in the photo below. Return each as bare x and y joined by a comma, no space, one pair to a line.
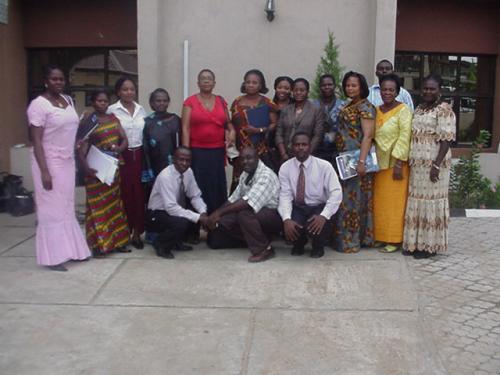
204,127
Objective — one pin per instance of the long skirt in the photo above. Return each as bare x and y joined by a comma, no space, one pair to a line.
427,211
105,221
389,203
58,235
208,166
353,223
132,190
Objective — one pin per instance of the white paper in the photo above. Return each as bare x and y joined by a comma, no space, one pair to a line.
104,164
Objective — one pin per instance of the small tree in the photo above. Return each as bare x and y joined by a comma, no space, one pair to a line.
468,186
329,63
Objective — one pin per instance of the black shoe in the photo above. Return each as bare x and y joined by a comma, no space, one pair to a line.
297,251
58,267
123,249
167,254
138,244
422,254
181,247
317,253
407,253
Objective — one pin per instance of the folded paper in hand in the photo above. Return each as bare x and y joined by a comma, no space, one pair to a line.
348,160
104,164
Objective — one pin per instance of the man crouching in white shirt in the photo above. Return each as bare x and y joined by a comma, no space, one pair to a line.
167,213
249,217
310,195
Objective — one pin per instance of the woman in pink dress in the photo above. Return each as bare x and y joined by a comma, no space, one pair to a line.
53,125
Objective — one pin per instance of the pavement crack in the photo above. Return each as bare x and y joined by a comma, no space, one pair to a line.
248,343
17,244
107,281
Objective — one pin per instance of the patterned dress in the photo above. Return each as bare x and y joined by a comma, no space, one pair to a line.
353,223
105,221
427,211
240,122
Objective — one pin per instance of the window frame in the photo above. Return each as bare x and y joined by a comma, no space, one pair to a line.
457,95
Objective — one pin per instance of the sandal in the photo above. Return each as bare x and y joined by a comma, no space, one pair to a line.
123,249
389,249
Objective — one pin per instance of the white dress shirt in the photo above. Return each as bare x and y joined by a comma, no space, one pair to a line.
166,194
132,125
322,186
376,98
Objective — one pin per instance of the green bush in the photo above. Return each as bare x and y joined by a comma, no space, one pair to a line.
468,187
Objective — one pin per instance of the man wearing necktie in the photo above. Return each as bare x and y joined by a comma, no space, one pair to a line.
168,213
310,195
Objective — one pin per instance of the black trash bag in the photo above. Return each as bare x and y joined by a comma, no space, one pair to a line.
15,198
22,203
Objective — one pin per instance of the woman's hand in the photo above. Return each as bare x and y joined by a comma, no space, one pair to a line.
46,180
434,174
361,169
250,130
90,172
230,138
397,172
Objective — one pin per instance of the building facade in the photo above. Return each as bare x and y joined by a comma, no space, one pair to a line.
166,42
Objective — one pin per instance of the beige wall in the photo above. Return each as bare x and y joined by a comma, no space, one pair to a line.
13,96
232,36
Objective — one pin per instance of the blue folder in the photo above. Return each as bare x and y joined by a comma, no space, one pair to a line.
258,117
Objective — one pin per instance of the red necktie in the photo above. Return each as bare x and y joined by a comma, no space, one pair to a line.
301,186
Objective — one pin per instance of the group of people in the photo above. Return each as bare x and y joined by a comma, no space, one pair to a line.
171,178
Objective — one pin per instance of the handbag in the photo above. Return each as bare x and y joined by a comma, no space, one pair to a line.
16,199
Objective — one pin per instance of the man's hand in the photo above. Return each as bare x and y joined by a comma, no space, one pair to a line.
291,229
204,221
315,224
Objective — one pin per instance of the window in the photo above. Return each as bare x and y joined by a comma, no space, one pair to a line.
86,69
468,85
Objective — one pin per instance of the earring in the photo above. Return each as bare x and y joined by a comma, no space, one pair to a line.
46,85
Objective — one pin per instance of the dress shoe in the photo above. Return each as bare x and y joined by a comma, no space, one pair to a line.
58,267
167,254
297,251
179,246
317,253
422,254
138,244
262,256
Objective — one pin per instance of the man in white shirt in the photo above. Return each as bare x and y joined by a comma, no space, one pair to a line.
167,213
383,68
309,197
249,217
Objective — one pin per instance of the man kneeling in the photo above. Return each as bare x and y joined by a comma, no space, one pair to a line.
167,208
310,195
249,217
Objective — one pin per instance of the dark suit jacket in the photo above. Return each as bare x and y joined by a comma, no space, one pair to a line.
311,121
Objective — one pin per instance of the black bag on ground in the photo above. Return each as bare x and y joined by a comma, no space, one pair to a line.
18,201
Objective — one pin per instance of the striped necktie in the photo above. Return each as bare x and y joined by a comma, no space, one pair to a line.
300,195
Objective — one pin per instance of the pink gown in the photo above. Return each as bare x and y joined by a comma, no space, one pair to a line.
58,235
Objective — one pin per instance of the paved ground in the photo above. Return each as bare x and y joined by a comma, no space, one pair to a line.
211,312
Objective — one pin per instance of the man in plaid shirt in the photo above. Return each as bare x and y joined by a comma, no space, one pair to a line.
250,216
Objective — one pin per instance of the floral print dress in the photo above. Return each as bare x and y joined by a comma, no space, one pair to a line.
353,223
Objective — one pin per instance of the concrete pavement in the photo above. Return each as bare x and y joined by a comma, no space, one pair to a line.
211,312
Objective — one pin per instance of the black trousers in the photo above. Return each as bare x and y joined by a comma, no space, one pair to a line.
302,213
171,229
246,229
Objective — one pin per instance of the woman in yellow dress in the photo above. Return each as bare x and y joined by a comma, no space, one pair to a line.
392,140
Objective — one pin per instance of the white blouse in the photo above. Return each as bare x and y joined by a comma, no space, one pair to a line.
132,125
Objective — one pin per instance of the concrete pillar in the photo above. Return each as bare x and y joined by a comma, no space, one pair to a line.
149,32
385,31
